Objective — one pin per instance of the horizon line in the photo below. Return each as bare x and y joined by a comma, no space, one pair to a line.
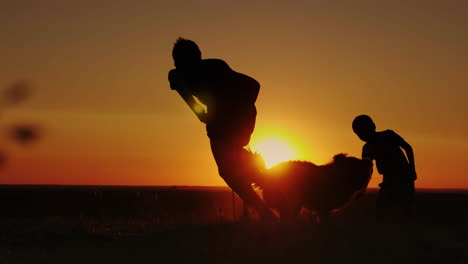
181,186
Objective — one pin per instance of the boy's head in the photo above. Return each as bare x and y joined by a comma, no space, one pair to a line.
185,53
364,127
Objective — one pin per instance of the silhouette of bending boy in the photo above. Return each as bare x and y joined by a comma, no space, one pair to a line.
399,173
229,98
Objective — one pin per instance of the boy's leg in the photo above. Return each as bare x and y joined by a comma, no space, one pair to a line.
379,206
409,200
383,202
228,158
395,202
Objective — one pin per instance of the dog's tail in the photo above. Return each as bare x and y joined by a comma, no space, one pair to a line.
254,166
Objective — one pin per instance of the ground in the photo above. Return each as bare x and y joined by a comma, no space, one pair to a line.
433,236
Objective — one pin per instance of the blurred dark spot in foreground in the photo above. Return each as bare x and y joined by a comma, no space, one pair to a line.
17,92
24,133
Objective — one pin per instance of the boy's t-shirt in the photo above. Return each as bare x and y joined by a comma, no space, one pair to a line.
230,98
390,160
224,91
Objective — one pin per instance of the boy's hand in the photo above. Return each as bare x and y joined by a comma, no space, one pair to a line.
175,79
203,117
413,175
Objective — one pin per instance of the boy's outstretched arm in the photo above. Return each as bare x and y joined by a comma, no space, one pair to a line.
177,83
196,108
410,154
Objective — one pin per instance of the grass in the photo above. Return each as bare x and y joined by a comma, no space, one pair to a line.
437,234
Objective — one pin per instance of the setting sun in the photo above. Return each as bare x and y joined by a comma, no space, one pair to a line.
274,150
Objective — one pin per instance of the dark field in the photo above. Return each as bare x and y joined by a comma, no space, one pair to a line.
86,224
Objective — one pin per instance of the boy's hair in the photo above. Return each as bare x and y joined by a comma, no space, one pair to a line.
185,51
363,122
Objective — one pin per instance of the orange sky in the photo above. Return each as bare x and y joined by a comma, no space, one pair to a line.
99,72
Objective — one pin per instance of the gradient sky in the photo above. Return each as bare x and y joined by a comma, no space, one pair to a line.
102,99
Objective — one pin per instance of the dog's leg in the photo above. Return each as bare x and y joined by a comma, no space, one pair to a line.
323,218
289,212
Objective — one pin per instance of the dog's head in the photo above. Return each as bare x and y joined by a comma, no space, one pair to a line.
354,172
252,165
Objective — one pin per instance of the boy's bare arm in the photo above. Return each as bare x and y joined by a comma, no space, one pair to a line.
410,154
196,108
177,83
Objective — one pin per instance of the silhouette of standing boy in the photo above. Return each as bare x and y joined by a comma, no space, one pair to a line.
399,173
229,98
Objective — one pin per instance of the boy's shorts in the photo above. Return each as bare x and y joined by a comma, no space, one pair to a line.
396,195
233,131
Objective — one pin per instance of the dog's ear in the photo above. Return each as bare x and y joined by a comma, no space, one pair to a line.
339,158
368,162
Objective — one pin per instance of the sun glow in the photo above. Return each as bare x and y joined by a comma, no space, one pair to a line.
274,151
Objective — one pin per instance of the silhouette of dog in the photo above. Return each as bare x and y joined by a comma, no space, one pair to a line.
323,189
